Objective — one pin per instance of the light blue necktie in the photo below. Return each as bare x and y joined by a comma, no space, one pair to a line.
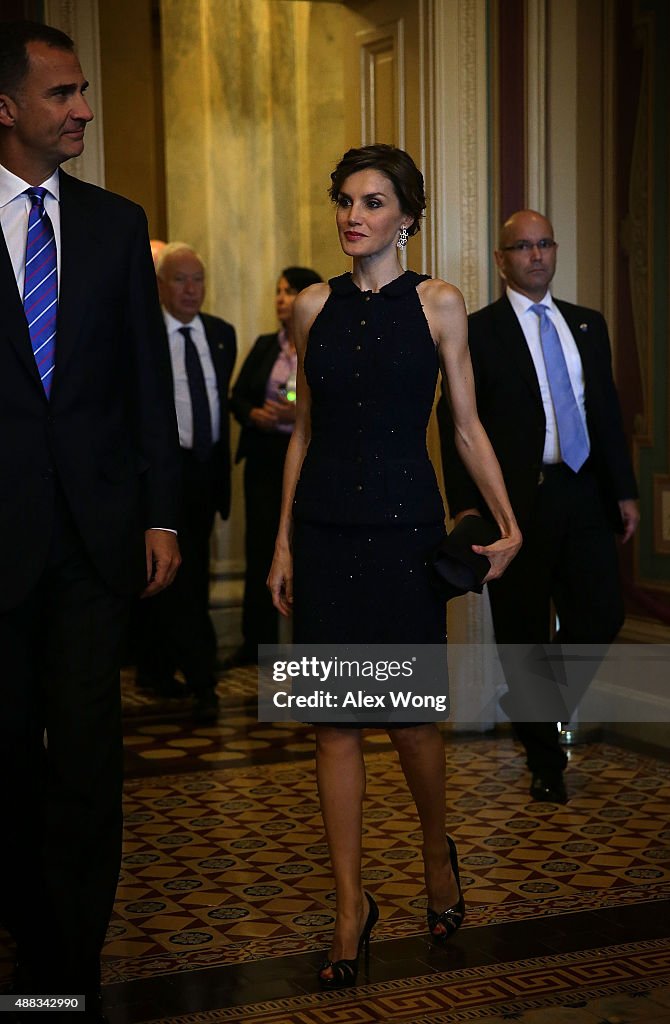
40,289
571,430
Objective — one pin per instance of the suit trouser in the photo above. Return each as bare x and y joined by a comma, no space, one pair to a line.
569,558
263,473
174,628
61,846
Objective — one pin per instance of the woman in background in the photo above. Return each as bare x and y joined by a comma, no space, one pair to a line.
361,509
263,402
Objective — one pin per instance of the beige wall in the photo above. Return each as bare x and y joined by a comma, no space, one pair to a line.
248,155
579,132
252,131
133,107
592,192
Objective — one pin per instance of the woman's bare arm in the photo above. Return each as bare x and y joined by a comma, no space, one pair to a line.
307,307
447,319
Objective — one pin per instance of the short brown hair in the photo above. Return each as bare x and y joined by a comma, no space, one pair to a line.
14,39
396,165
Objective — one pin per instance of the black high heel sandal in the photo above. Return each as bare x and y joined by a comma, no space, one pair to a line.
442,926
345,972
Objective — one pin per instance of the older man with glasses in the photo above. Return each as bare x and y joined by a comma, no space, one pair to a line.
546,397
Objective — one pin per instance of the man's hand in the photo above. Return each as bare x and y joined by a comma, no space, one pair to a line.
163,560
630,514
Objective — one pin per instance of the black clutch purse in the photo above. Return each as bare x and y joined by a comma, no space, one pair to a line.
459,569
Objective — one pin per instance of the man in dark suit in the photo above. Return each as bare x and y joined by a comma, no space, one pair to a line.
547,400
176,629
89,467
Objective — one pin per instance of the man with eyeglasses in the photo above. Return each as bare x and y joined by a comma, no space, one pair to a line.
546,397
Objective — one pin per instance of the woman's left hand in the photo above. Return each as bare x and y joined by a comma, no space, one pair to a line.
499,554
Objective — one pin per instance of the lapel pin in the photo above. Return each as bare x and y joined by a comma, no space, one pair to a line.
583,327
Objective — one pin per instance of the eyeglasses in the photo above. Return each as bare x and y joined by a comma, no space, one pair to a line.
543,245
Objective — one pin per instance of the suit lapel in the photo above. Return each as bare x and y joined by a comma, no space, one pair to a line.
167,342
14,323
81,251
510,329
219,353
577,320
272,350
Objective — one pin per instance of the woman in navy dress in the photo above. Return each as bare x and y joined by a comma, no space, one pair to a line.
361,509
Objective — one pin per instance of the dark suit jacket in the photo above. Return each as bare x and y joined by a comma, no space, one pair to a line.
108,434
510,408
223,349
249,390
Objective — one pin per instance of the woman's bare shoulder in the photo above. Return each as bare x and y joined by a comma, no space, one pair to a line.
311,300
441,296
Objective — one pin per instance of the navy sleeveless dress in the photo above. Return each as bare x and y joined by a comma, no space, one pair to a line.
367,510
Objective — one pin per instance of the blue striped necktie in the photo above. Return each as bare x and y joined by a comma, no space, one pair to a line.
40,289
571,431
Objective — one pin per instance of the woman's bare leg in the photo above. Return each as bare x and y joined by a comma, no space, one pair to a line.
421,752
340,774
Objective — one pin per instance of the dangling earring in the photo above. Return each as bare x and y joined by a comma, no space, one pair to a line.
402,237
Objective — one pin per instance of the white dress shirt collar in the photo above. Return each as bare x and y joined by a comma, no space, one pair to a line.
521,303
12,186
172,324
14,215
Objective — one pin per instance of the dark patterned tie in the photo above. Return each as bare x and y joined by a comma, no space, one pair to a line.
202,419
40,289
571,430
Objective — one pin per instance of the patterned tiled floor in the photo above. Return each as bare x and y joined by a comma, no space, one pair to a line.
231,866
160,735
225,899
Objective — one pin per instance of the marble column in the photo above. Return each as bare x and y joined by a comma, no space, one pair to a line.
462,196
246,86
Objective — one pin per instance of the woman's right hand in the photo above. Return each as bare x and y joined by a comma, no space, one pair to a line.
280,581
284,412
500,554
263,418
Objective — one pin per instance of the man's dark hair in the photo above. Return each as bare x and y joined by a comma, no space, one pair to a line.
14,39
396,165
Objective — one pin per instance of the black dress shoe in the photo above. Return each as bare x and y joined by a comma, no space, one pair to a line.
548,789
205,707
164,687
